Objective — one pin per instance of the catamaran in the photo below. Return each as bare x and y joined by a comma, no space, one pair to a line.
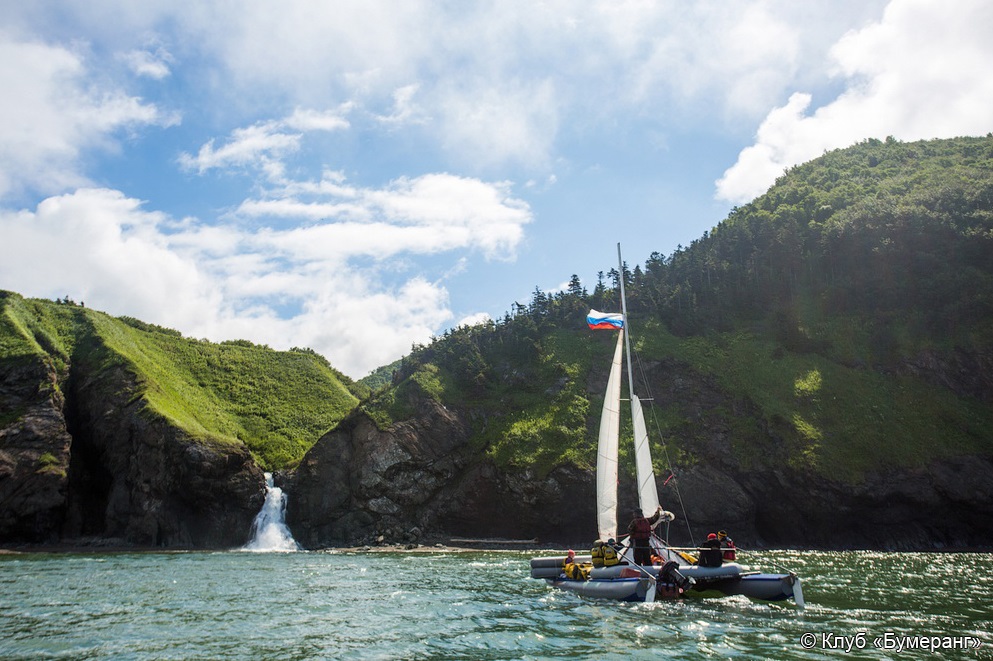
673,571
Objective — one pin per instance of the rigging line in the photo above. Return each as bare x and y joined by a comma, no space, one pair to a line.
665,449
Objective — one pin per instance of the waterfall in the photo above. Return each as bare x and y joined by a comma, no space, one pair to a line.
269,531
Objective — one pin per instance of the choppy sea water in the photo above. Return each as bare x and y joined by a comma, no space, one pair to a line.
474,605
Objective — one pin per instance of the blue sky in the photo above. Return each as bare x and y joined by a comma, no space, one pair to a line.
359,176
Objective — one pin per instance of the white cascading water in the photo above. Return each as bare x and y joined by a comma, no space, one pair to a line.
269,531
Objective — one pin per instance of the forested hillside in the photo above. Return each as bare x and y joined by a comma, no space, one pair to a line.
845,317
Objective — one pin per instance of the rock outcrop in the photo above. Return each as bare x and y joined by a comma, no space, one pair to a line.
360,483
34,451
83,460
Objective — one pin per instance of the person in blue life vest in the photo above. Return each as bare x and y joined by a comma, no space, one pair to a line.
640,530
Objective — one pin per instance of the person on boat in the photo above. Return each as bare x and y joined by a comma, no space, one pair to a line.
710,552
611,556
640,530
727,544
575,570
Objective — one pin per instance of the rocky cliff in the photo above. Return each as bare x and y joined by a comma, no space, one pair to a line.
34,451
83,460
424,476
420,477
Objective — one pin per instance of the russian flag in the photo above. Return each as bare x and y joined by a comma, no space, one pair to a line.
605,320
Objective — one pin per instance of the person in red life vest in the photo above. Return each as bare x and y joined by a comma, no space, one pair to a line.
640,530
730,552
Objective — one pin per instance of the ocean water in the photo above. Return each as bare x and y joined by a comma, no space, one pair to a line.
474,605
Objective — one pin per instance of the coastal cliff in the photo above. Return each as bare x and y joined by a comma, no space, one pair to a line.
84,459
425,477
818,371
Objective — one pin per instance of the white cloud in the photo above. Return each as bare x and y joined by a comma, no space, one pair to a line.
264,144
490,124
405,111
151,65
306,119
248,147
920,72
474,319
494,85
105,247
53,112
224,282
426,214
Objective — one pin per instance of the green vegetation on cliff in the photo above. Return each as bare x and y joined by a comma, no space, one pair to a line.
841,323
276,402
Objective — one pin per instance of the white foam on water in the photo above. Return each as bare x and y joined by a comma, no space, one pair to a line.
269,531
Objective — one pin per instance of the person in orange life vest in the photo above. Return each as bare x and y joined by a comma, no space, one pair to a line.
640,530
730,552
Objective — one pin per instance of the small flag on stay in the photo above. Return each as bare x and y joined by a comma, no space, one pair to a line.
671,475
605,320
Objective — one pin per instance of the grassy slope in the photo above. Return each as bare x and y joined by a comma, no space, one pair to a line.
277,403
529,411
835,420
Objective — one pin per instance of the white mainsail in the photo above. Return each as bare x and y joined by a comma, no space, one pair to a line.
606,463
648,495
610,421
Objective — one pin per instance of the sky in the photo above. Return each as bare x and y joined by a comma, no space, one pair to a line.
358,177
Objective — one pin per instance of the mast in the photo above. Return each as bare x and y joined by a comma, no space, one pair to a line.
648,494
627,323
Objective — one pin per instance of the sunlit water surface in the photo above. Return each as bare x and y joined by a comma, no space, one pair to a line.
480,605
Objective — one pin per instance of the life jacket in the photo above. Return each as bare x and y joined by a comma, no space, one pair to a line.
730,553
577,571
610,557
641,529
597,553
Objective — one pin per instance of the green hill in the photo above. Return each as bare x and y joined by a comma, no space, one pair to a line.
842,323
278,403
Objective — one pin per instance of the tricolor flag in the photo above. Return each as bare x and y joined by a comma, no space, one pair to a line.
605,320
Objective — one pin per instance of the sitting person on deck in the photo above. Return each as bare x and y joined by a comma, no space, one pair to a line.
610,555
710,552
575,570
727,545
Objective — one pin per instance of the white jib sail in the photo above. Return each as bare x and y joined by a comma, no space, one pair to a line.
606,462
648,494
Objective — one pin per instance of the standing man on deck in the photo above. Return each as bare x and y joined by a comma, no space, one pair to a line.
640,530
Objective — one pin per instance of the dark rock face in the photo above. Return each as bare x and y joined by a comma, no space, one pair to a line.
947,504
966,373
99,465
34,452
944,504
359,483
